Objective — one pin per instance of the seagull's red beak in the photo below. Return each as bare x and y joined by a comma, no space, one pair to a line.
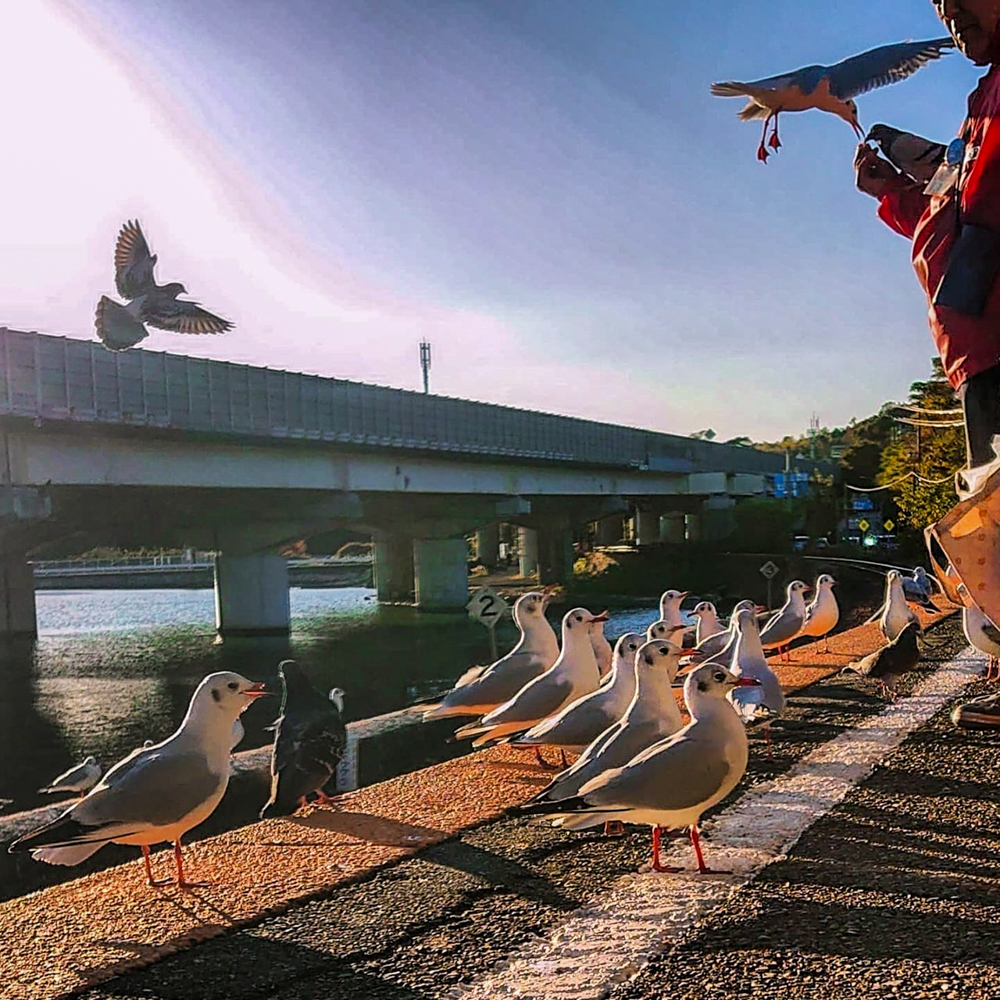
602,617
256,690
746,682
858,130
759,608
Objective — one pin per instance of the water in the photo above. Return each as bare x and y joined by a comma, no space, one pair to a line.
112,668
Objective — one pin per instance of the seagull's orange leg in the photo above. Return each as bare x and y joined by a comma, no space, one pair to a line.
149,870
614,828
542,761
657,866
774,142
762,153
182,882
703,869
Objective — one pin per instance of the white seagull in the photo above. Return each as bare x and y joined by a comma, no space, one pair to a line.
670,606
766,700
708,621
786,624
984,635
157,793
896,613
829,88
673,782
120,327
481,689
78,779
823,613
602,651
573,674
720,644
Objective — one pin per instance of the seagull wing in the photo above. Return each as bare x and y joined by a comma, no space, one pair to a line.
184,317
804,79
133,262
882,66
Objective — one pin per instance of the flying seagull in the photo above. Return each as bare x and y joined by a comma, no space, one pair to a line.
829,88
120,327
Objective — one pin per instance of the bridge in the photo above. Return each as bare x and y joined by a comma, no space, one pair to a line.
147,448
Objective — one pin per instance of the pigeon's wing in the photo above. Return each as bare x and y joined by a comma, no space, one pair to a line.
116,328
184,317
882,66
133,262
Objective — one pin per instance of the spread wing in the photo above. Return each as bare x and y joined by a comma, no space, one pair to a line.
804,79
133,262
884,65
185,317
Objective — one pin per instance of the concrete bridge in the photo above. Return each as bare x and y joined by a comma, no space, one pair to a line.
145,448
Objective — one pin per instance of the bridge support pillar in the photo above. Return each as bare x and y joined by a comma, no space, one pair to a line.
441,573
718,520
647,527
488,546
672,527
251,594
608,531
527,551
555,555
393,567
17,596
692,527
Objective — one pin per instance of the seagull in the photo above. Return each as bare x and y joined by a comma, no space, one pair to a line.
78,779
309,741
673,782
786,624
829,88
718,644
766,700
156,793
583,720
916,156
120,327
573,674
479,690
900,656
984,635
670,606
602,651
708,621
823,613
651,716
896,613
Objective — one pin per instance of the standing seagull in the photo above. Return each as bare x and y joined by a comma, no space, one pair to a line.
896,613
676,780
823,613
120,327
603,652
721,646
829,88
766,700
984,635
309,741
78,779
708,621
158,793
480,690
786,625
670,606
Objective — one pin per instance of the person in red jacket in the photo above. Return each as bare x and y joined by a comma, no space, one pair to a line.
956,231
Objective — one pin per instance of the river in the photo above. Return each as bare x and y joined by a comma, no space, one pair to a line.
112,668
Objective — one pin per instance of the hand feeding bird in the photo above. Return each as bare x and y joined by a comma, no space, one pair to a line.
310,739
914,155
829,88
120,327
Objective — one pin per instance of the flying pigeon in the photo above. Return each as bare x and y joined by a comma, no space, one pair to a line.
120,327
916,156
309,742
829,88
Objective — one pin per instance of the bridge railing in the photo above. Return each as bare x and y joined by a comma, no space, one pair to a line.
58,378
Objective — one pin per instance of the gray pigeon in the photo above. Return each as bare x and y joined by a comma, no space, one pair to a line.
916,156
309,742
120,327
889,662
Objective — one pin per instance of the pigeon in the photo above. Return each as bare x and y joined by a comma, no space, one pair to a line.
309,742
984,636
829,88
900,656
917,589
479,690
786,624
121,327
573,674
585,719
651,716
156,793
823,612
673,782
914,155
78,779
765,700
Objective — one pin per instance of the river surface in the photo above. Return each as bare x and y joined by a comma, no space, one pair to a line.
112,668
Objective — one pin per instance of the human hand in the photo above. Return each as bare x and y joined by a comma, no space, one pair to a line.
873,173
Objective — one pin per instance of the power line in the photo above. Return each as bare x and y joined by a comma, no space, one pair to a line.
909,475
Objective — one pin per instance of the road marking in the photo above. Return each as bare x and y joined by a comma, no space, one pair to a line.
640,915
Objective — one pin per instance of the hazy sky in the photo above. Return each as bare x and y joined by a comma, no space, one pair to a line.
544,189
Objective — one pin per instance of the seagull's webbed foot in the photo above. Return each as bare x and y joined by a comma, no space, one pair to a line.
774,142
614,828
762,153
656,864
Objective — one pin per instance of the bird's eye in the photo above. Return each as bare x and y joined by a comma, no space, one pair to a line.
664,650
720,678
233,686
579,618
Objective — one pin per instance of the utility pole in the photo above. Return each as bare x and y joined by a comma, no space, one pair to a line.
425,363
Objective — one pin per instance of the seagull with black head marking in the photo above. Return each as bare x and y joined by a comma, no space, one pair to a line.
120,327
829,88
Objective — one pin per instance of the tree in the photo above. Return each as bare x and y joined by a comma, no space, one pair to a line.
706,435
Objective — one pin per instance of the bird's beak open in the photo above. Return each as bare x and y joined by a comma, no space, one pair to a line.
602,617
858,130
695,655
683,594
745,682
759,609
257,690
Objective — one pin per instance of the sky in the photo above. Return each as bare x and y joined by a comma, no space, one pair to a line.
544,189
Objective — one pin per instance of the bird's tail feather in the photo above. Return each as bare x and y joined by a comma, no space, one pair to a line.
729,88
66,855
752,111
117,329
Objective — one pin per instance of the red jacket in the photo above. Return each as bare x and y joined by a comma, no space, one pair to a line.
967,345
